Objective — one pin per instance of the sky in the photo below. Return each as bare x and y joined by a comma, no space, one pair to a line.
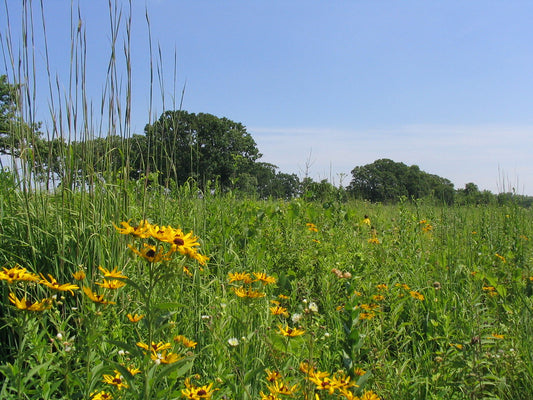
322,86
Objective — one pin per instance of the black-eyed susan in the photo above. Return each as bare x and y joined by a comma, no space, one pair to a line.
24,304
278,310
154,347
194,392
111,284
141,231
116,380
55,285
248,292
279,387
102,395
416,295
79,275
272,376
17,273
112,274
245,277
311,227
165,357
290,332
264,278
151,253
134,318
97,298
185,341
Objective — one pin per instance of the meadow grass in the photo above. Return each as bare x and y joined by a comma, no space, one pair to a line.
298,299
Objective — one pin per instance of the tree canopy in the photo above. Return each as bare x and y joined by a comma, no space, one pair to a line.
386,180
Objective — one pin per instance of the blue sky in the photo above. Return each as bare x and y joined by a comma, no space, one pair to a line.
324,86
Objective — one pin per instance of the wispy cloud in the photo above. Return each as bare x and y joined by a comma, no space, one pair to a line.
461,153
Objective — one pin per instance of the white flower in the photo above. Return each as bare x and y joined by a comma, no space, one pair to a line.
233,342
313,307
121,352
296,318
59,336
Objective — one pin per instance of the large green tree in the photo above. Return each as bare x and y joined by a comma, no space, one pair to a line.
182,145
387,180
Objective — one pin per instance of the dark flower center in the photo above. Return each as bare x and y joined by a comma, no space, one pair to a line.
178,241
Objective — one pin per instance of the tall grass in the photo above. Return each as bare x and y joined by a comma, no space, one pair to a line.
416,301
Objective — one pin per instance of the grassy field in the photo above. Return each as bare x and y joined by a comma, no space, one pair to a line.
297,299
115,289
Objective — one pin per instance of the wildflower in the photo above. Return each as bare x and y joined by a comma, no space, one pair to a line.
457,345
240,276
268,396
24,304
296,317
114,273
491,290
17,274
359,371
247,292
340,381
290,332
101,396
378,297
134,318
111,284
154,347
152,254
366,221
272,376
311,227
374,240
54,285
416,295
313,307
264,278
79,275
164,358
283,297
197,392
186,342
369,395
133,371
497,336
278,387
279,311
141,231
97,298
233,342
117,380
366,315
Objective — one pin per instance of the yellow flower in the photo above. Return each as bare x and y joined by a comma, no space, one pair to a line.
111,284
268,396
54,285
402,285
240,276
272,375
24,304
283,297
290,332
114,273
497,336
164,358
264,278
247,292
369,395
366,315
79,275
502,258
457,345
382,286
311,227
141,231
278,387
97,298
366,221
135,318
416,295
17,274
197,392
279,311
133,371
101,396
154,347
152,254
374,240
186,342
359,371
117,380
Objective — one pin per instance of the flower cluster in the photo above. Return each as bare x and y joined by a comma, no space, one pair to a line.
153,251
247,287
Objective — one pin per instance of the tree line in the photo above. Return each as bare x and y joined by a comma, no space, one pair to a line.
181,147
